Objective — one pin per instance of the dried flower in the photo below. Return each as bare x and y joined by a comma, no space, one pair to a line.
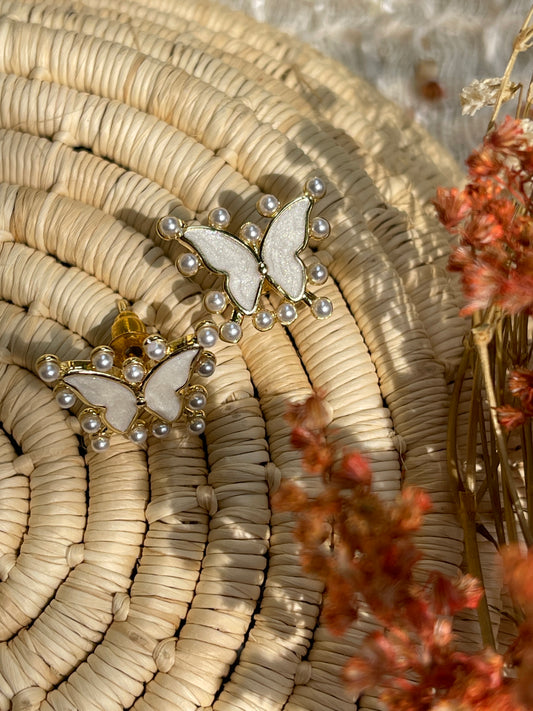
520,383
362,548
492,218
484,92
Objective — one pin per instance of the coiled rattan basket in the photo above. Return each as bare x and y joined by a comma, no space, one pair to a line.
161,579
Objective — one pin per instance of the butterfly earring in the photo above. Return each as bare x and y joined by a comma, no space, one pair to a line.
137,385
257,262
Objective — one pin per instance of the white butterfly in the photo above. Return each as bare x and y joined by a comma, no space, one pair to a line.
137,392
120,404
245,270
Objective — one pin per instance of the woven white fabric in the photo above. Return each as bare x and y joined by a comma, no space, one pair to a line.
386,40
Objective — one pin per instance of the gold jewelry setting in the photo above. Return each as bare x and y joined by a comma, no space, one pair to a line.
138,385
254,263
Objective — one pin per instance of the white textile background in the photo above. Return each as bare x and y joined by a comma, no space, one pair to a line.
385,40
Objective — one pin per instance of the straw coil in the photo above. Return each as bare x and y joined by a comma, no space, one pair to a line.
162,579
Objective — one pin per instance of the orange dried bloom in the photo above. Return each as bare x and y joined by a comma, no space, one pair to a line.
311,414
356,468
508,137
510,417
363,549
518,575
452,206
495,251
450,596
520,382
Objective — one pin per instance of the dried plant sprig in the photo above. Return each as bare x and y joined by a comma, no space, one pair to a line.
485,92
521,43
492,217
364,549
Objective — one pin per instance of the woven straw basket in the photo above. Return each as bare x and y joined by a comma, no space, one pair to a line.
160,579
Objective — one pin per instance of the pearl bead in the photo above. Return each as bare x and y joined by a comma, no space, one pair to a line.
264,320
315,188
133,370
317,273
65,398
286,313
197,400
207,335
267,205
161,429
215,301
102,358
230,332
100,443
319,228
250,232
219,218
206,367
48,369
90,422
322,308
155,347
169,227
188,264
139,433
197,425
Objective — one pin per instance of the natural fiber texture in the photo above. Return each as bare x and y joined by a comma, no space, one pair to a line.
162,579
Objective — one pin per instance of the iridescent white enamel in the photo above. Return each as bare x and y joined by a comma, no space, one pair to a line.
224,254
101,390
163,382
284,239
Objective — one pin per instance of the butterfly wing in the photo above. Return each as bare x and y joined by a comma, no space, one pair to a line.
161,386
285,238
105,391
224,254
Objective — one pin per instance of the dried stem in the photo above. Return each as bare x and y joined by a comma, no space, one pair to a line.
482,336
518,47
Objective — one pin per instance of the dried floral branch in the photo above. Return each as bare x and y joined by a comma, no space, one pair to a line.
485,92
482,336
364,549
521,43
